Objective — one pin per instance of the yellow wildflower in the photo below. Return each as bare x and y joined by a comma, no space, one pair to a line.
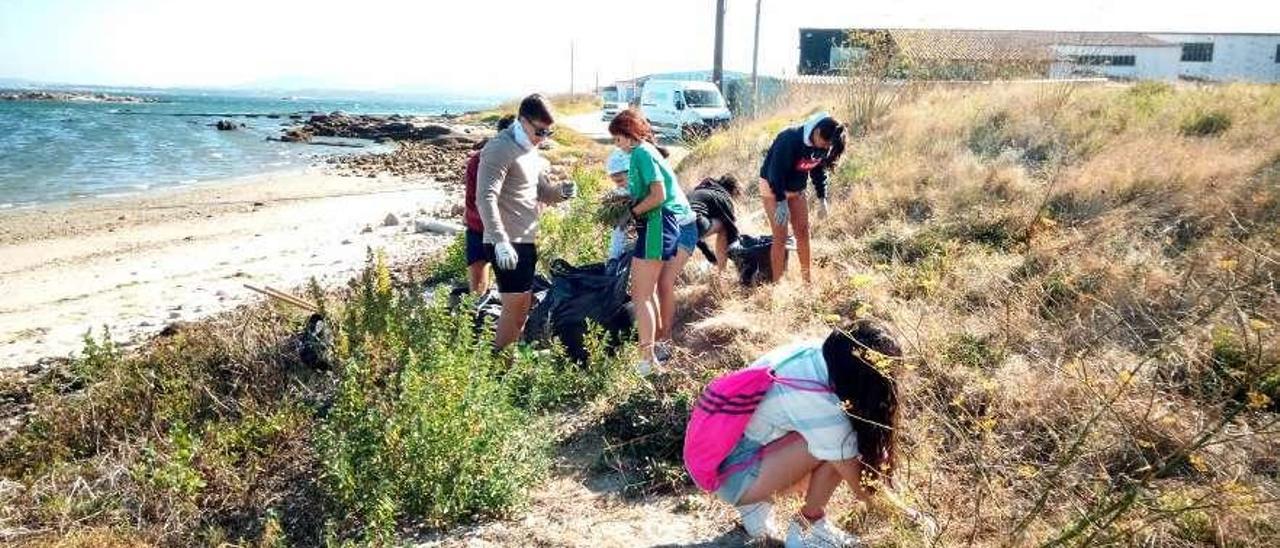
1198,462
858,281
1259,325
1258,400
988,424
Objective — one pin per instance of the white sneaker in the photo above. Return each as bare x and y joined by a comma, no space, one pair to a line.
644,368
821,534
757,519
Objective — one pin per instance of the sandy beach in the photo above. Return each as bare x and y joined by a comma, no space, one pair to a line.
138,263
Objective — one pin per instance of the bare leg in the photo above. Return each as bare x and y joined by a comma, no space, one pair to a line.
667,293
822,484
778,250
781,468
644,284
478,277
515,310
800,227
722,250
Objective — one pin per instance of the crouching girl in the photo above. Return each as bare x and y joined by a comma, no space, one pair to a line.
812,416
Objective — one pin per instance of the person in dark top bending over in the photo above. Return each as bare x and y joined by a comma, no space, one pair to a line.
712,202
798,154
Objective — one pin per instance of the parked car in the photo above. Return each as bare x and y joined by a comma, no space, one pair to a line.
684,109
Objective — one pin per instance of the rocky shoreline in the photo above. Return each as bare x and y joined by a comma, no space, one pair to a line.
74,96
426,146
443,163
378,128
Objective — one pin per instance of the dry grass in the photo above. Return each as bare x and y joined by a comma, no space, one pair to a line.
563,104
1084,279
1087,291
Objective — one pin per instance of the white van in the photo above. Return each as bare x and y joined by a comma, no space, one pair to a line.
683,108
616,98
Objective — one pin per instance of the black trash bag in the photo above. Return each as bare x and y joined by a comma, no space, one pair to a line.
750,254
489,307
538,326
595,292
315,343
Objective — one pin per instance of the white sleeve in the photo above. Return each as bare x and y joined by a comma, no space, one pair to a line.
824,425
617,243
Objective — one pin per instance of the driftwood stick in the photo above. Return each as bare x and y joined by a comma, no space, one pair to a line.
285,297
292,297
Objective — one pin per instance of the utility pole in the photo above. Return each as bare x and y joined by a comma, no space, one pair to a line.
755,63
717,66
570,68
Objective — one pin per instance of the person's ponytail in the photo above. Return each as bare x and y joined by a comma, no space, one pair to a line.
834,132
837,146
661,149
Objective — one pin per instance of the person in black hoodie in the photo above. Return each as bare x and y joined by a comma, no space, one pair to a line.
798,154
712,202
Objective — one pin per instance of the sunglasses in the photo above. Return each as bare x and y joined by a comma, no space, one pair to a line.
542,132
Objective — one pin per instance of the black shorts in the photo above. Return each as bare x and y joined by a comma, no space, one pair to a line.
475,247
519,279
797,185
703,225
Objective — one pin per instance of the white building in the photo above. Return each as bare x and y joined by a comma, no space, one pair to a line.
981,54
1145,59
1227,57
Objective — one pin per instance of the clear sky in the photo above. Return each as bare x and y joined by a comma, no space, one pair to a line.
499,46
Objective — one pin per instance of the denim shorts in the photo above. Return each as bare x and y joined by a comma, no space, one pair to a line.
746,457
688,239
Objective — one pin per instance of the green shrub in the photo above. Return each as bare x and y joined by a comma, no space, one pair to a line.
987,138
1150,88
644,439
170,467
450,264
1206,124
966,350
572,233
998,232
892,245
427,422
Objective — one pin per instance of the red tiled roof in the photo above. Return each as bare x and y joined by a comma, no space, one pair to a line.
1004,45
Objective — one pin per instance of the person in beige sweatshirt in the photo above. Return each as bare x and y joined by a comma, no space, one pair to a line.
513,177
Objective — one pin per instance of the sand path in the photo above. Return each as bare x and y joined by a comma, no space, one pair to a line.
138,263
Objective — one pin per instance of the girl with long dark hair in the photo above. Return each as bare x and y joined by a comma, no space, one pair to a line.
846,432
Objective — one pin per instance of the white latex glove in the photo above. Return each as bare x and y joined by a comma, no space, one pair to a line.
568,190
505,256
781,213
822,208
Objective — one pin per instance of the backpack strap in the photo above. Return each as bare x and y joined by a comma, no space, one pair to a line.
804,385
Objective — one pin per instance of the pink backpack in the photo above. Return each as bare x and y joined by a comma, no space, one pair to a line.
721,415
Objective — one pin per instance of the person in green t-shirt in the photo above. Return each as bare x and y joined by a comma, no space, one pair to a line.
660,210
